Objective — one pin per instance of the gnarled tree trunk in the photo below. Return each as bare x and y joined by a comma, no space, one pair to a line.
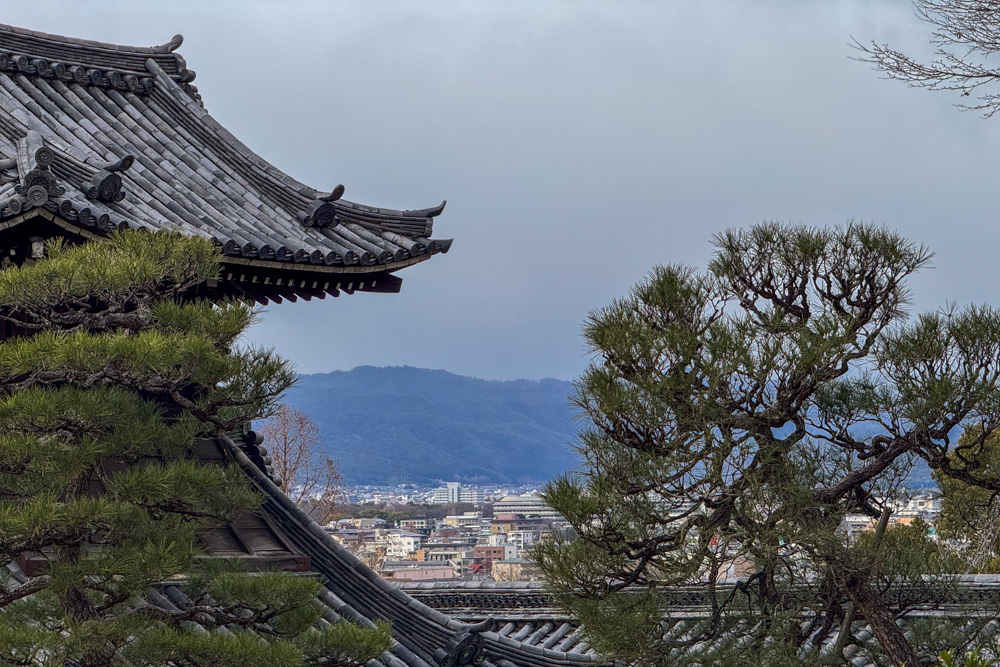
870,605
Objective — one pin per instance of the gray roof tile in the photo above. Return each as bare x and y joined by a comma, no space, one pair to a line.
357,593
190,174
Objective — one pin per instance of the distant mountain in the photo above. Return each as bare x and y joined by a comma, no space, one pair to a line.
427,425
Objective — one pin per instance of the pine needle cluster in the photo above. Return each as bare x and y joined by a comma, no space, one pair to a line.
111,376
733,417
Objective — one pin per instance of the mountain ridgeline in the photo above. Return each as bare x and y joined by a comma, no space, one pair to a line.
420,425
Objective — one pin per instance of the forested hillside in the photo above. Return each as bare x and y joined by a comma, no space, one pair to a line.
428,425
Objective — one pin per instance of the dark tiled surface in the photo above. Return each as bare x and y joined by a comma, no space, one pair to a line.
189,173
357,593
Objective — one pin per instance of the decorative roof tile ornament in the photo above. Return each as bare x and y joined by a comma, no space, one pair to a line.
38,183
106,184
464,650
322,213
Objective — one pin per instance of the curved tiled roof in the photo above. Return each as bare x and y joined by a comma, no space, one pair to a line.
357,593
71,51
423,636
105,137
526,613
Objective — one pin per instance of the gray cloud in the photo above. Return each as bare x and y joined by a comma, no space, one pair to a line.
578,144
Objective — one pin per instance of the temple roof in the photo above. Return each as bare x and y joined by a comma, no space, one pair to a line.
279,535
98,136
526,613
424,635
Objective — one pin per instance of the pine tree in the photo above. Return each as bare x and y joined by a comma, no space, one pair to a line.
970,515
115,373
733,417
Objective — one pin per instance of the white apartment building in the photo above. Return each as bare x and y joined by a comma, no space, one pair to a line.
455,492
497,539
529,506
522,539
399,544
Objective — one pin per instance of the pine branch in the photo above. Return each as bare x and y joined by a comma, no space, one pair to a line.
30,587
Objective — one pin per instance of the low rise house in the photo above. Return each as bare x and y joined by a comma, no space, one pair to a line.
421,525
516,569
398,543
466,520
411,571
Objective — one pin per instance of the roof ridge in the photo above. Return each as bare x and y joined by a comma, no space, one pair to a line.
498,647
192,174
349,211
69,51
168,47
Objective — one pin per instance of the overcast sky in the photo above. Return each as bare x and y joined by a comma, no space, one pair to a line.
578,144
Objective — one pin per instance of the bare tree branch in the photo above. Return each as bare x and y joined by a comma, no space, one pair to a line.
310,477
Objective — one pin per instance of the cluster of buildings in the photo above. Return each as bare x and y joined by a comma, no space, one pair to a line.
924,506
449,493
491,543
906,509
